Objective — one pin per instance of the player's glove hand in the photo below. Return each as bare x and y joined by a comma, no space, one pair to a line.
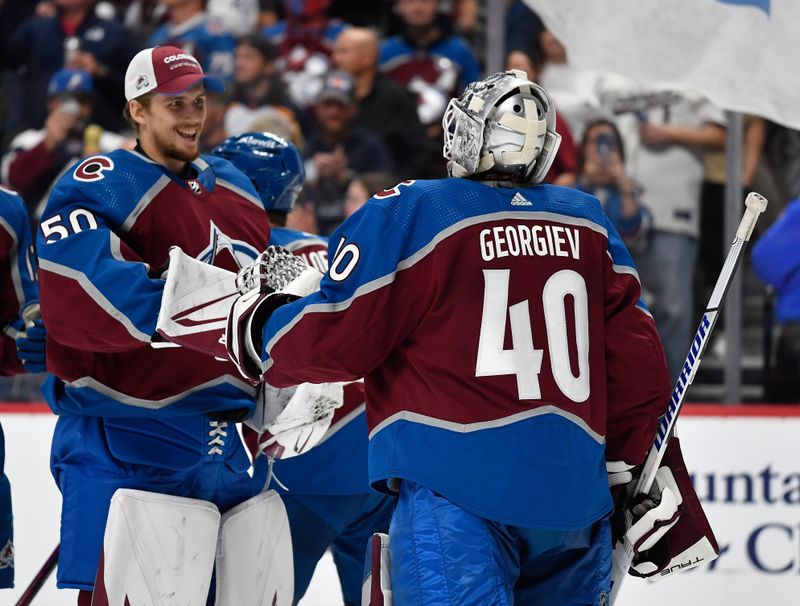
243,333
297,418
275,278
649,517
30,335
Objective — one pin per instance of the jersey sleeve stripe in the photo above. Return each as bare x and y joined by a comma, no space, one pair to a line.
640,305
630,271
623,269
416,257
326,308
145,200
93,292
115,245
415,417
105,390
239,191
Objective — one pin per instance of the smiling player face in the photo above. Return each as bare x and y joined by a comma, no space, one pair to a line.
170,133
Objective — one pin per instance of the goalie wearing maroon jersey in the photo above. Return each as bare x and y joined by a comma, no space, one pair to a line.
512,371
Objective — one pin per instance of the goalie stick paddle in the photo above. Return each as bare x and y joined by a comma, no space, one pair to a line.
755,204
39,580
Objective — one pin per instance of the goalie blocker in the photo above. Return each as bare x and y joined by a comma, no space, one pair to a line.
671,532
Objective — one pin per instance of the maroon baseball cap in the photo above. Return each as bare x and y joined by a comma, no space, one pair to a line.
167,70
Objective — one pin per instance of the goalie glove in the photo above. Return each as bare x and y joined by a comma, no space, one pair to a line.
275,278
297,418
273,270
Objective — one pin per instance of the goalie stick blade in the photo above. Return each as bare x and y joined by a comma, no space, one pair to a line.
195,304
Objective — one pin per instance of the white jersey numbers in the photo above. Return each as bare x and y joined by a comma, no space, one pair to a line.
523,360
344,261
556,289
57,227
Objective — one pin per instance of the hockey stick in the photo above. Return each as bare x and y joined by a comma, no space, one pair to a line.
755,204
36,584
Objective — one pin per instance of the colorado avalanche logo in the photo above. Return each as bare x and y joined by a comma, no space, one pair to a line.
92,169
142,82
7,555
225,252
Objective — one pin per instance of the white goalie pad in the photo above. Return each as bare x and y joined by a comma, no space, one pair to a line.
254,554
195,304
158,550
296,419
376,590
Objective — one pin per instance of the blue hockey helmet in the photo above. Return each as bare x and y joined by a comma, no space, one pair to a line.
273,165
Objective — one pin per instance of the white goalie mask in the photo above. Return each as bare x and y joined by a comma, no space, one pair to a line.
504,123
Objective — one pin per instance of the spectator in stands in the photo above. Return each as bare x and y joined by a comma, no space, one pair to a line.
713,244
427,59
782,155
238,17
776,261
259,90
12,16
304,214
305,40
363,187
36,157
565,166
279,125
601,172
673,133
190,28
523,27
385,107
580,95
214,132
76,36
337,149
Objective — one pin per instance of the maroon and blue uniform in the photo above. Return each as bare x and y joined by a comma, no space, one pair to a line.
506,355
328,498
214,47
435,73
18,285
18,290
131,415
305,48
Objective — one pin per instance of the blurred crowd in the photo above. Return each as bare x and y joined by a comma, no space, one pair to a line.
360,87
